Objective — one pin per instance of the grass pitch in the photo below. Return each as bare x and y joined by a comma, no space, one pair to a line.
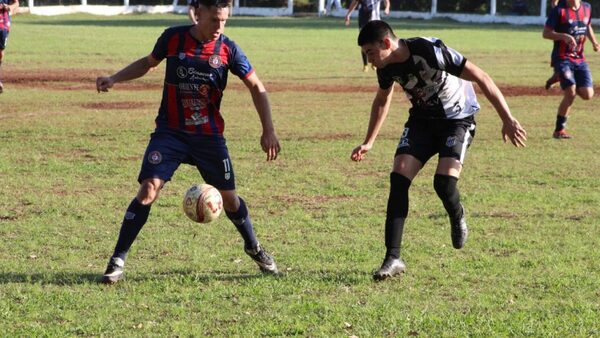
70,157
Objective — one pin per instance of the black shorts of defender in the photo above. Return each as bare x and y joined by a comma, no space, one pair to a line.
3,38
423,138
167,150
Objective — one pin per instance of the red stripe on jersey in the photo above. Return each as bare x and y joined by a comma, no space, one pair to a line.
224,53
173,44
190,45
172,111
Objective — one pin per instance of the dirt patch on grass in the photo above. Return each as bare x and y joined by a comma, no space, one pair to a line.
73,79
117,105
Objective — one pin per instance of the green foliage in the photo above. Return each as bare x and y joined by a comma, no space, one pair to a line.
70,157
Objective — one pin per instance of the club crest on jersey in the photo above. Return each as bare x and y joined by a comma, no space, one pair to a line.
155,157
181,56
214,61
450,141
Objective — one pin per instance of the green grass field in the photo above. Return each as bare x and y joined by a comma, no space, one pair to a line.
70,157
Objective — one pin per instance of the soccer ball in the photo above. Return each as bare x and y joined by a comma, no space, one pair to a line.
202,203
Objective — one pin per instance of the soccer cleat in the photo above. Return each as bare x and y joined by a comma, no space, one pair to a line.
391,267
551,81
114,271
263,259
459,231
365,68
561,134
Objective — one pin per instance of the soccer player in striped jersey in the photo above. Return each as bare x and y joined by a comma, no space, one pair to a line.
189,125
7,7
437,81
569,26
367,10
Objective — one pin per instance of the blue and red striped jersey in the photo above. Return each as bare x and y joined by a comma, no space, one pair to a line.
5,17
564,19
195,78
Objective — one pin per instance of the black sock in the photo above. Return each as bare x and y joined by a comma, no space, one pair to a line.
445,187
242,222
561,123
135,218
397,210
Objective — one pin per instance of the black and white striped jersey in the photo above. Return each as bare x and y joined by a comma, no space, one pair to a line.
430,80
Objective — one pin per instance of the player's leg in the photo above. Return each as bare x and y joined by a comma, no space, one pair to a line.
363,18
214,164
163,156
584,82
453,148
553,79
3,38
566,71
412,153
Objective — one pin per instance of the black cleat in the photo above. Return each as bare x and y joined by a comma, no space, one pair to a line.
263,259
114,271
391,267
459,231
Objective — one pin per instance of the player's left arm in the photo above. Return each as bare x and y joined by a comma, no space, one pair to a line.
592,37
386,4
268,139
511,128
12,7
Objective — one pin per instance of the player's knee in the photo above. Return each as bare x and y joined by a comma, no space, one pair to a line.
587,93
149,190
445,186
399,184
231,201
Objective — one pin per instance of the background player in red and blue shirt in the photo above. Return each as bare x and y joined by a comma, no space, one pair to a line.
189,125
7,7
438,82
568,26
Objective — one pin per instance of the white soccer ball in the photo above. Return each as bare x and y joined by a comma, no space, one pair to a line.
202,203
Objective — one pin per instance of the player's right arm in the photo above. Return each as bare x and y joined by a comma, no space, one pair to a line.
135,70
350,10
379,111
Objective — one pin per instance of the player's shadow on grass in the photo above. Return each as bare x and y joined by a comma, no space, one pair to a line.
58,278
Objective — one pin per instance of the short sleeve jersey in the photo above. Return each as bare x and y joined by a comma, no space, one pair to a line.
430,79
5,17
564,19
195,78
368,5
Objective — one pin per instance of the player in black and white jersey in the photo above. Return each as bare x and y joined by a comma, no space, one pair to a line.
437,80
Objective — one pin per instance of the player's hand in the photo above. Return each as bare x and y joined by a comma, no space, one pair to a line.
103,83
359,152
570,41
347,21
513,131
270,145
596,47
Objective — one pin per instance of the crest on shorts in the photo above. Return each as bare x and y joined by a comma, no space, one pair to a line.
451,141
214,61
181,55
155,157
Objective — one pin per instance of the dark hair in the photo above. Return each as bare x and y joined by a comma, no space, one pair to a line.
375,31
213,3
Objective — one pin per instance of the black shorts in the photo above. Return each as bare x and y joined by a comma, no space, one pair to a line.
3,38
423,138
167,150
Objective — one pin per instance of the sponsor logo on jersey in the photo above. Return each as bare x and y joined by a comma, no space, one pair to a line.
181,56
155,157
215,61
192,74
